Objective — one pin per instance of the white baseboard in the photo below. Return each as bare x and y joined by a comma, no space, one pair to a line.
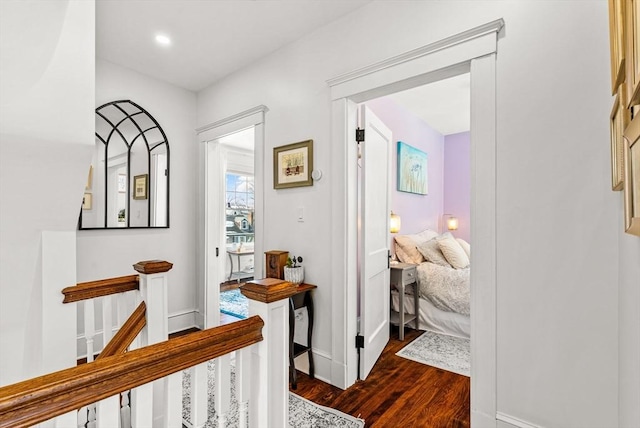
322,365
482,420
508,421
182,321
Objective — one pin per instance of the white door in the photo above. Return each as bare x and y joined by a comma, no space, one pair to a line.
374,239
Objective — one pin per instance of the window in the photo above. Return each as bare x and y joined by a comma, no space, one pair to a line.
240,207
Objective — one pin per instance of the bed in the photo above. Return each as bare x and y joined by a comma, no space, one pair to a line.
443,281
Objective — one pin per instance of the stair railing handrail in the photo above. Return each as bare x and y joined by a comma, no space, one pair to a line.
39,399
100,288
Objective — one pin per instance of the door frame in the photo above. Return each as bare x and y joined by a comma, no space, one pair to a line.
473,51
208,239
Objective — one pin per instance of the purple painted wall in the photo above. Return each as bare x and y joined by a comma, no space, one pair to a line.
418,212
457,182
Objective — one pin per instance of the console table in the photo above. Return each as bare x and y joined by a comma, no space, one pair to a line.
301,299
239,274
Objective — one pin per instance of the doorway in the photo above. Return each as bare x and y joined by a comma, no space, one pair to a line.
233,145
472,51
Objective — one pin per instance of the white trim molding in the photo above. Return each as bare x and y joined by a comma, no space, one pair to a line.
511,421
473,51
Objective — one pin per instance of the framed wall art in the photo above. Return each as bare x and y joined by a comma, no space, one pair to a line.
292,165
140,184
619,119
631,33
412,170
632,177
617,41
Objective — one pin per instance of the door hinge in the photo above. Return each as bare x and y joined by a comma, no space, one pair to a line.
360,342
359,135
217,251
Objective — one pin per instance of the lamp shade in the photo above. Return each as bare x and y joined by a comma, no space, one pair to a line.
452,223
394,223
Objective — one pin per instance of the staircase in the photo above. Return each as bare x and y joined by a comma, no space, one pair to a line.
136,378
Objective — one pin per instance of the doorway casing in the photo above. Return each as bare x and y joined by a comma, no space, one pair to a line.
209,228
473,51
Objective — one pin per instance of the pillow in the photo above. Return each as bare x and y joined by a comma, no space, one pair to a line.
401,255
452,251
406,250
424,236
432,253
465,246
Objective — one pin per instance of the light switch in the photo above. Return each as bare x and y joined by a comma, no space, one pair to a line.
300,214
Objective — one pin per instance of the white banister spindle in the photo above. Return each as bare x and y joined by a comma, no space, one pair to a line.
125,410
107,320
243,379
83,416
173,400
199,395
89,327
269,402
108,412
222,392
142,406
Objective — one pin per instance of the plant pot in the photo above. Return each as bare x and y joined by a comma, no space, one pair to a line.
294,275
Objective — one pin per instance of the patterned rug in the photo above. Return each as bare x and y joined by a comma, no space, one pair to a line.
232,302
440,350
302,412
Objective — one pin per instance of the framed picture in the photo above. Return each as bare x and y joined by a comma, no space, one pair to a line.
87,201
631,32
292,165
122,183
632,177
412,170
89,178
617,42
140,184
619,120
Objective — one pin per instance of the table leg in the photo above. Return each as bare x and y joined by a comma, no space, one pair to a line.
416,304
308,300
230,266
401,310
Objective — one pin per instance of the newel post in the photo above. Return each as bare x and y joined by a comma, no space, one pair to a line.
269,401
153,289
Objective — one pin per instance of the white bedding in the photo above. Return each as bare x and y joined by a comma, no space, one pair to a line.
447,288
432,318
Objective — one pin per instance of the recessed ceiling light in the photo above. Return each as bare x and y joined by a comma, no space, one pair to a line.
163,40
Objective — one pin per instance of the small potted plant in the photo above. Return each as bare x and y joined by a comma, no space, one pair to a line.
293,271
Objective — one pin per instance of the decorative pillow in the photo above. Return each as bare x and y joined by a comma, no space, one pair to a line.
406,250
401,255
465,246
424,236
432,253
452,251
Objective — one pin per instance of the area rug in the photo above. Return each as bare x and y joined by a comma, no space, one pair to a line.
234,303
440,350
302,412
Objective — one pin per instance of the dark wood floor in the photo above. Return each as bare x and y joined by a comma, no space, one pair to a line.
398,393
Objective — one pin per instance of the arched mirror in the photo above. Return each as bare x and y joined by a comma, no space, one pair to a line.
128,184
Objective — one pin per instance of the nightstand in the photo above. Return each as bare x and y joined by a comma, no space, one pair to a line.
403,275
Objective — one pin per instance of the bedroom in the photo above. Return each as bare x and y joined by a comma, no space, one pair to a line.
435,120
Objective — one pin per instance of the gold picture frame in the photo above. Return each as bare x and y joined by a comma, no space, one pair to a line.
617,40
618,121
292,165
89,178
140,185
631,32
87,201
632,177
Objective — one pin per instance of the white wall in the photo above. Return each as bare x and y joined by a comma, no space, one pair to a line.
45,150
109,253
557,229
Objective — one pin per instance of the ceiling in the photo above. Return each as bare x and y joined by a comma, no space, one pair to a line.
211,39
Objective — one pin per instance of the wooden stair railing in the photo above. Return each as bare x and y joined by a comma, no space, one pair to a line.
100,288
127,333
36,400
